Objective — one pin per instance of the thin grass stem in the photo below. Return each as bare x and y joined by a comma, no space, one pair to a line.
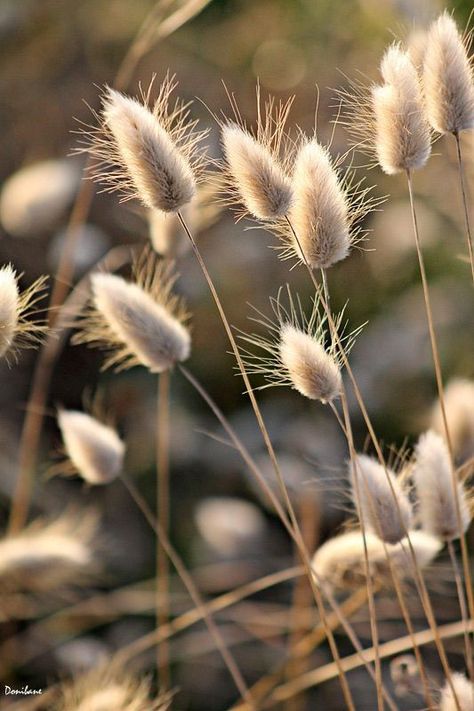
163,516
463,188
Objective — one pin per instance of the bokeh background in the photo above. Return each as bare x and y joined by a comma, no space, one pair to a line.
54,57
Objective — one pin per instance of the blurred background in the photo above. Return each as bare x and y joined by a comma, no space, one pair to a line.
55,55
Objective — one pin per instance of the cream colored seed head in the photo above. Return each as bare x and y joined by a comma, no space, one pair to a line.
341,560
312,371
433,479
464,690
320,213
402,136
379,492
459,404
162,176
9,308
95,450
145,328
261,182
448,78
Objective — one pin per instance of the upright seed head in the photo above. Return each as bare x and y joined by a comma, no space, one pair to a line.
94,449
320,212
384,506
433,479
464,691
313,372
140,323
147,152
257,175
448,78
340,561
401,131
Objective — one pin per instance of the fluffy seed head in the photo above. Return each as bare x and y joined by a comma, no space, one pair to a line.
320,213
257,174
295,353
9,308
94,449
459,404
379,491
447,78
464,694
146,152
140,323
313,372
109,688
17,328
45,559
402,136
433,478
340,561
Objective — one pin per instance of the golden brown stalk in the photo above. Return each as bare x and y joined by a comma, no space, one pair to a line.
163,516
192,590
269,446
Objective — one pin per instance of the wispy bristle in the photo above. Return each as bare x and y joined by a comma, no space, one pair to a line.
110,688
320,212
401,131
464,691
448,78
17,327
253,176
433,478
95,450
380,491
312,371
258,176
296,353
140,322
341,560
459,404
148,153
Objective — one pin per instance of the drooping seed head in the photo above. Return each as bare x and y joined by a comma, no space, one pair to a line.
437,500
384,506
312,371
340,561
401,130
320,212
140,323
257,175
464,690
95,450
448,78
